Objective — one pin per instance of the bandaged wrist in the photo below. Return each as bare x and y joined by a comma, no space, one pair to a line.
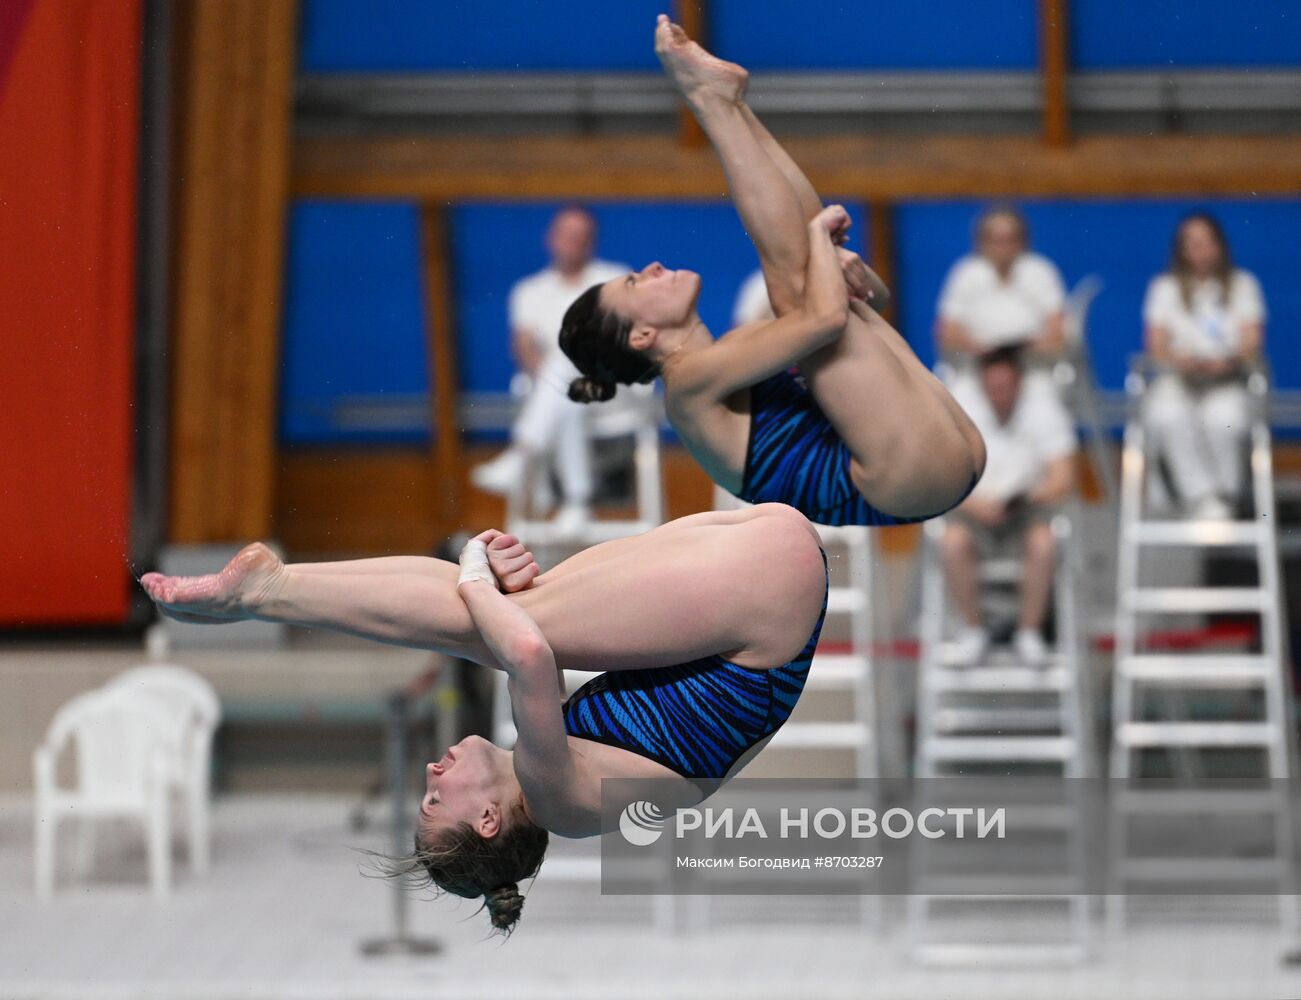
474,564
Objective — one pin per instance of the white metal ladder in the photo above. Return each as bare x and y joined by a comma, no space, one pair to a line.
851,672
952,738
1172,675
947,735
641,420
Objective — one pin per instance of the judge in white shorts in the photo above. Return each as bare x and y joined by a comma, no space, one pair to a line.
1204,326
549,424
1001,294
1029,472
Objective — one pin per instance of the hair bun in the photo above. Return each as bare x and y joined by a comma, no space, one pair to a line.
590,390
504,905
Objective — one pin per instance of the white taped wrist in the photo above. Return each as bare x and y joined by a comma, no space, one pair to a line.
474,563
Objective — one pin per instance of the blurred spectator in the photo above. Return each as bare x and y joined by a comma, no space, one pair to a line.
752,302
1204,323
1001,294
549,424
1029,472
861,282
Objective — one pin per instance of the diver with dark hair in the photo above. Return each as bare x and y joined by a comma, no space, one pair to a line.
862,433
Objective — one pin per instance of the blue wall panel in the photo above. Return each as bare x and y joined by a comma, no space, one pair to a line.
497,244
354,312
1123,242
1156,34
894,34
354,315
456,35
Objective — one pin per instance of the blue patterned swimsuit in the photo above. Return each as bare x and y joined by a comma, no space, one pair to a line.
696,718
796,457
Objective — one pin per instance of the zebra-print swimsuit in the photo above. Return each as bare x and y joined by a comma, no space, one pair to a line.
697,718
796,457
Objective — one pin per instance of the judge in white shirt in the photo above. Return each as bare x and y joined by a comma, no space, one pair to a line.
549,424
1029,471
752,304
1204,325
1002,294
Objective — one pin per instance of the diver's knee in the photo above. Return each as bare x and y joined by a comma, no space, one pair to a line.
791,534
781,513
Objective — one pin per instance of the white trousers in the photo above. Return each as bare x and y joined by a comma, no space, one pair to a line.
1200,433
553,427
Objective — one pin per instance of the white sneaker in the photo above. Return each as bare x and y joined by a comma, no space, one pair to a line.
1030,647
970,647
501,475
1211,508
572,519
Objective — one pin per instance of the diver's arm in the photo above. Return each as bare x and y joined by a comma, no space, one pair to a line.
756,351
542,756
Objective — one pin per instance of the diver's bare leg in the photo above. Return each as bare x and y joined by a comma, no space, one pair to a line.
915,450
418,609
382,565
810,203
770,208
511,563
670,599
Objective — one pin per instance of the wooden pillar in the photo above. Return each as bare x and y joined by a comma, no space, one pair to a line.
444,391
899,539
880,226
232,188
1054,60
692,17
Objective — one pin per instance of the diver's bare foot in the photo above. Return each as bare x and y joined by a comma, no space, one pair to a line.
249,580
697,73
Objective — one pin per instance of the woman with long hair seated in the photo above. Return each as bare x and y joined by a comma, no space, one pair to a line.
1205,329
705,628
864,434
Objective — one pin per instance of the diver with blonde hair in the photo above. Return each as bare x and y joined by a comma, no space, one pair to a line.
704,627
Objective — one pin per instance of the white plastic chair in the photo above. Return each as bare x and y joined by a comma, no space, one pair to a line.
126,746
193,706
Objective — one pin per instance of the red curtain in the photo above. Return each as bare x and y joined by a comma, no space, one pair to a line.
69,105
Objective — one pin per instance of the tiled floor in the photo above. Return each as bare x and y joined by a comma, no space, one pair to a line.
284,911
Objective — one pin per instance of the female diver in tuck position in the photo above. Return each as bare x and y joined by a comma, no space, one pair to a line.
705,627
865,434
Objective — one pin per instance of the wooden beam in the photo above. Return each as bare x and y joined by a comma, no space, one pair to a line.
357,501
861,167
234,145
1054,63
444,387
353,501
691,14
